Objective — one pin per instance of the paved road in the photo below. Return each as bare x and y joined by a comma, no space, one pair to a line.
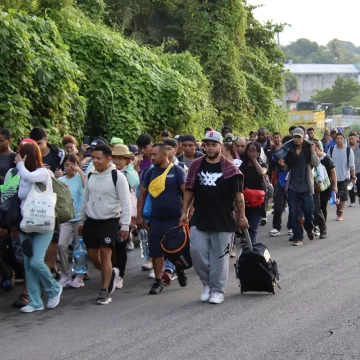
316,315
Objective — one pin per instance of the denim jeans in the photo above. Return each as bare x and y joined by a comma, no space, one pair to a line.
37,273
279,205
301,203
169,265
254,216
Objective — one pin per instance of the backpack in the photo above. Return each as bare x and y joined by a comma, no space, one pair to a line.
10,202
326,183
114,176
64,208
347,153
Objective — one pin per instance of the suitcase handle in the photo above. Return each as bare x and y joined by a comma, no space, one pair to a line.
248,240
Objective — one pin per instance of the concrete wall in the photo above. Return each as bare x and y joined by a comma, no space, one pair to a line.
309,83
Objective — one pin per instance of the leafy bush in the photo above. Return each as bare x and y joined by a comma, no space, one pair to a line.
38,80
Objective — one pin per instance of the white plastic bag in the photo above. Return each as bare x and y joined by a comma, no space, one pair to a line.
39,211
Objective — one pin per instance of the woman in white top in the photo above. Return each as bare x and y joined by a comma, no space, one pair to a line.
31,170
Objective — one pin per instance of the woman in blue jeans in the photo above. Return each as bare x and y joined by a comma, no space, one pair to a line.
38,276
254,171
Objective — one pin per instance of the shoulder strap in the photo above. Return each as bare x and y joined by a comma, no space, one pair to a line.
114,175
89,175
331,151
348,155
167,169
14,171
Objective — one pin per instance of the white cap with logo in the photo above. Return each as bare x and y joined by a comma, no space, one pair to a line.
213,136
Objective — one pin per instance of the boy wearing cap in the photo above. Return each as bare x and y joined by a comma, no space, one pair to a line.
213,184
299,161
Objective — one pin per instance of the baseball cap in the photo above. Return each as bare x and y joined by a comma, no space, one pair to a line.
177,137
134,149
213,136
298,132
98,141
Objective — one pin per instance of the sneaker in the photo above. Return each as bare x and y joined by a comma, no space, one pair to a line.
290,232
103,298
263,221
65,280
130,245
182,277
78,282
274,232
216,298
297,243
352,205
30,309
114,275
340,218
167,276
151,274
311,235
156,288
205,294
54,302
317,232
147,266
119,282
233,252
21,302
323,235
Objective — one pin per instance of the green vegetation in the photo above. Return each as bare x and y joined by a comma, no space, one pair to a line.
124,67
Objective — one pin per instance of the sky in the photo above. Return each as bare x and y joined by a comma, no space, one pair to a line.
315,20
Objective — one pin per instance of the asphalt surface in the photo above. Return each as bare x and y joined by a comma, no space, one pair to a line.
316,314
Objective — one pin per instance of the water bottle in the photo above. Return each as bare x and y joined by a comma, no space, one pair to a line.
333,198
144,245
80,258
350,186
355,189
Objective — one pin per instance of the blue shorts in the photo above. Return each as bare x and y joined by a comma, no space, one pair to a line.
157,229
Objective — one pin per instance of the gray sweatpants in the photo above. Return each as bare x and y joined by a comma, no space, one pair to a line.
210,256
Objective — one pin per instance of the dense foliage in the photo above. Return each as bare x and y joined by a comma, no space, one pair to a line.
38,79
124,67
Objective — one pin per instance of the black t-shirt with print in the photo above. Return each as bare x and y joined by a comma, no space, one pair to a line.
51,161
214,199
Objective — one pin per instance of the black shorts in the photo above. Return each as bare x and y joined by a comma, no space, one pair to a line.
343,192
157,229
100,233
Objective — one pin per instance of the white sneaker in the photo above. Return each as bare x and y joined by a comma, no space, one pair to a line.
119,282
290,232
274,232
54,302
30,309
78,282
205,294
233,252
216,298
65,280
352,205
151,275
130,245
147,266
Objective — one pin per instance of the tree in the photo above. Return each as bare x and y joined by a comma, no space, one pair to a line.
343,90
290,82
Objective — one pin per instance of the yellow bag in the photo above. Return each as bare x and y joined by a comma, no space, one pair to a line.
157,186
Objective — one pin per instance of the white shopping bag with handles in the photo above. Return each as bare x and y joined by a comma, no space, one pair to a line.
39,211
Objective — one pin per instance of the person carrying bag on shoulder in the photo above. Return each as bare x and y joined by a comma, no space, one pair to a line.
36,239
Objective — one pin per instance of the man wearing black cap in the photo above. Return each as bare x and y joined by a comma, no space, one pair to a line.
299,161
90,167
189,147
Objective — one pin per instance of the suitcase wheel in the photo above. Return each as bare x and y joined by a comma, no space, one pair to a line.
274,287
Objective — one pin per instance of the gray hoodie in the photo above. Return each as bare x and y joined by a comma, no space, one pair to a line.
103,201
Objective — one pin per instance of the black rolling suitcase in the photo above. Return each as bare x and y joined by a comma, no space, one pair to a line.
255,269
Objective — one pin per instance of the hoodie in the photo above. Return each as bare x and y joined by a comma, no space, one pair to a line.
103,201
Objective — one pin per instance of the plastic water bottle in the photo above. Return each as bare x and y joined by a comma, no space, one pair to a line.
80,258
144,245
350,186
355,189
333,198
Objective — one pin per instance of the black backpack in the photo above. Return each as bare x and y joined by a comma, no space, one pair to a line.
114,176
347,153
